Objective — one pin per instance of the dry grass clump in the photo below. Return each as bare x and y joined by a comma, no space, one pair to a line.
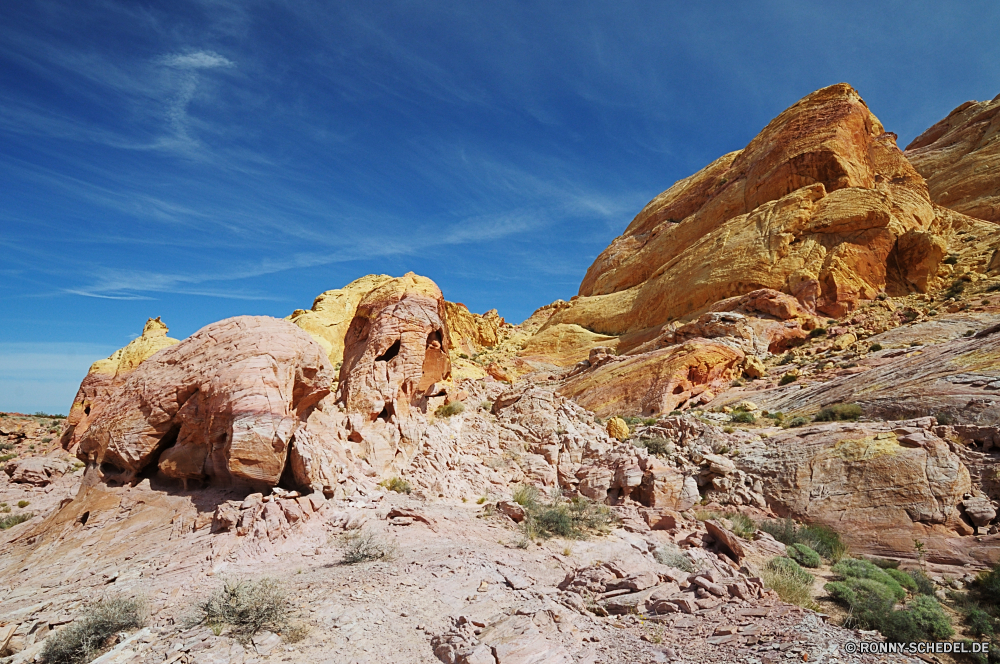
246,607
397,484
792,583
13,519
671,556
91,634
449,409
365,545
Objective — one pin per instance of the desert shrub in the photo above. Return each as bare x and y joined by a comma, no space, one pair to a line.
13,519
673,557
797,422
659,446
6,457
875,347
902,578
924,584
853,568
839,412
6,446
804,555
792,583
743,417
397,484
86,637
487,406
526,495
993,288
825,541
650,421
869,601
951,260
23,503
743,525
449,409
884,563
956,289
246,607
366,545
920,620
788,378
573,519
818,332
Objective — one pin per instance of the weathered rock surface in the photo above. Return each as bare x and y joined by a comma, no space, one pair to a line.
396,349
221,406
656,382
332,312
813,206
960,159
564,345
104,374
471,332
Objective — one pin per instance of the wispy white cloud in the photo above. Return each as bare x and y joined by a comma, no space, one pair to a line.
197,60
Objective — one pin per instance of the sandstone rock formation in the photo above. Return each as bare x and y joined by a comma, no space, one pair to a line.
396,349
814,206
471,332
104,374
332,312
960,159
221,406
656,382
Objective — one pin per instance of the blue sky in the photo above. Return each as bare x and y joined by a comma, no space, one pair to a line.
199,160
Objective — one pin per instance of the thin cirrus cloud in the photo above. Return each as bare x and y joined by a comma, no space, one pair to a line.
203,159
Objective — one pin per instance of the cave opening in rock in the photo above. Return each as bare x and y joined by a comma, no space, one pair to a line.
434,339
391,352
86,410
82,519
167,440
387,412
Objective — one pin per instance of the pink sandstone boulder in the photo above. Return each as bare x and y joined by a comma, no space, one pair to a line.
221,406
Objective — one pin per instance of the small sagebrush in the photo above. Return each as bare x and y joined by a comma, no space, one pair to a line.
89,635
674,557
804,555
840,412
449,409
397,484
366,545
246,607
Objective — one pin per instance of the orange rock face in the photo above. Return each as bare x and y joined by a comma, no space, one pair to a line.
960,159
812,207
221,406
656,382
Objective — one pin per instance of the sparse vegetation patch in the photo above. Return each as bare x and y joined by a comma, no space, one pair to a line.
89,635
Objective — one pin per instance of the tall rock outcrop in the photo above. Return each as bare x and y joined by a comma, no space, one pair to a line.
332,312
104,374
960,159
221,406
815,206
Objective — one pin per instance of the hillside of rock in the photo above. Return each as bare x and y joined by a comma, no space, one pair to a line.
960,159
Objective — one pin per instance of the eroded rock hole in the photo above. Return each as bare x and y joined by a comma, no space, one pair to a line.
82,519
434,339
167,440
386,413
86,410
391,352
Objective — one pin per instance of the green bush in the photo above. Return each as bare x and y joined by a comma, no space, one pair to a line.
922,619
572,519
87,636
246,607
792,583
526,495
853,568
23,503
659,446
743,417
804,555
13,519
818,332
743,525
902,578
876,347
869,601
449,409
788,378
841,412
820,539
797,422
924,584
